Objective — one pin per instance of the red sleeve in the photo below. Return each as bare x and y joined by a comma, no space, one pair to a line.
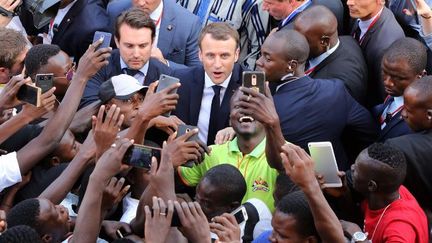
399,231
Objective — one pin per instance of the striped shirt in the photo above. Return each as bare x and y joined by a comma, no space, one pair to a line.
244,15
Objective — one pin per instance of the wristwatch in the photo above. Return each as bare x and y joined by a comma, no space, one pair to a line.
358,237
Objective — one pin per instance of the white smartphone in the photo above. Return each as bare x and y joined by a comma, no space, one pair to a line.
240,214
325,163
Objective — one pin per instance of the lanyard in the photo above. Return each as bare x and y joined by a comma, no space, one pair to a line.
310,70
158,20
369,27
295,13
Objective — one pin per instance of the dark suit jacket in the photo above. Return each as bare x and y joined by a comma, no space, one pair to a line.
75,33
91,91
178,34
335,6
191,92
417,149
315,110
375,42
347,64
395,128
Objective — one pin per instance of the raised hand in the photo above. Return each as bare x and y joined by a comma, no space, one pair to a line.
225,135
114,193
166,124
105,130
156,104
48,100
158,223
226,228
92,61
8,97
195,226
180,150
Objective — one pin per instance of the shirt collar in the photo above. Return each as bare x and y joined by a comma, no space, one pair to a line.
208,83
156,14
144,69
399,101
296,11
286,80
364,25
313,62
256,152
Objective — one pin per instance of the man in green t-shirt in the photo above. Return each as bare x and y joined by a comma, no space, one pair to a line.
255,151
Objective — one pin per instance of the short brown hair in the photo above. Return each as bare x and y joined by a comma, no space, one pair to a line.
12,43
137,19
219,31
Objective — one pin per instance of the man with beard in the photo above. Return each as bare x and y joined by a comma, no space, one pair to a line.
248,152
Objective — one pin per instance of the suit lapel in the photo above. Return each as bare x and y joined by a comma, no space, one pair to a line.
397,118
196,94
378,25
67,20
167,28
326,61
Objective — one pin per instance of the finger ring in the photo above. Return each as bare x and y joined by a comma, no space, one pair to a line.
248,98
113,145
163,214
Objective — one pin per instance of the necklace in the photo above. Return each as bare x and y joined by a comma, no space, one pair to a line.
382,215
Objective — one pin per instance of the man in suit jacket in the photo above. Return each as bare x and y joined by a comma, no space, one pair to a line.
403,63
287,10
331,56
375,30
417,146
206,91
177,30
312,110
134,37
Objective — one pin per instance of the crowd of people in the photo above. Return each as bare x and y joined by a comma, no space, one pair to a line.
350,72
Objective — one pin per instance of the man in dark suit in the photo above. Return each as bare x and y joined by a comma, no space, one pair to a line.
73,26
134,36
417,113
375,30
206,91
332,57
286,11
403,63
177,30
312,110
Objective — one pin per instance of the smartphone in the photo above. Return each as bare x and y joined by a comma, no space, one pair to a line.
240,214
254,80
44,81
325,163
30,94
140,156
164,82
183,129
106,36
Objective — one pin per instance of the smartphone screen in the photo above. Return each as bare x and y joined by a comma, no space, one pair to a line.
240,214
105,36
140,156
183,129
325,163
44,81
254,80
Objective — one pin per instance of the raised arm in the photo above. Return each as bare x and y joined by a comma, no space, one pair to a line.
300,168
52,133
261,108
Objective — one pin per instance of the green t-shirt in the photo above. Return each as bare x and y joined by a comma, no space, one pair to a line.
260,178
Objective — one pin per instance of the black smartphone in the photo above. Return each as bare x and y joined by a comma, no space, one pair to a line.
44,81
164,82
106,36
254,80
30,94
140,156
183,129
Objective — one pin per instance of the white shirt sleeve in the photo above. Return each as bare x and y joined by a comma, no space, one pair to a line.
10,173
130,206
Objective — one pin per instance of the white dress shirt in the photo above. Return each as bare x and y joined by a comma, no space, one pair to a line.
393,107
140,76
157,15
206,102
313,62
